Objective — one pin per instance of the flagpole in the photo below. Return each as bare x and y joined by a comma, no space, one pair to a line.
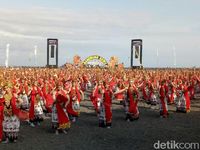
35,54
7,55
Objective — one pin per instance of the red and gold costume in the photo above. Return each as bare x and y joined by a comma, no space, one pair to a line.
163,102
107,106
63,119
2,100
132,95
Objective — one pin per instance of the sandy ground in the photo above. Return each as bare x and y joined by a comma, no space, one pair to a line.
139,135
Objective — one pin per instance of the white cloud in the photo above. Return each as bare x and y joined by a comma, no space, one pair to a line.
19,35
68,23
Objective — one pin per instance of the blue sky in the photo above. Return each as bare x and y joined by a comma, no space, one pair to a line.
103,27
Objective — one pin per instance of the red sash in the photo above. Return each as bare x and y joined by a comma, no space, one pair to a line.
48,98
93,98
22,115
133,102
187,98
31,109
107,105
49,102
191,91
162,91
162,99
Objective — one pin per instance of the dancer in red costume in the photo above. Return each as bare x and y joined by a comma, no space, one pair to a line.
101,107
97,95
94,96
2,100
73,109
108,105
36,106
132,96
163,101
196,87
152,94
191,87
171,95
119,92
60,119
11,121
63,120
145,92
47,96
187,97
183,104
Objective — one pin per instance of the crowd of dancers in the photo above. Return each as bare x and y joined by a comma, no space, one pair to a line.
29,94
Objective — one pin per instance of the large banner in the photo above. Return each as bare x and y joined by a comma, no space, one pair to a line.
136,52
52,52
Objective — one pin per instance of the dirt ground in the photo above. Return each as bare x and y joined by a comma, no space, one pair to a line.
138,135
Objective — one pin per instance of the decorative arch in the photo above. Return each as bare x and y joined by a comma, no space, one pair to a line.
93,58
